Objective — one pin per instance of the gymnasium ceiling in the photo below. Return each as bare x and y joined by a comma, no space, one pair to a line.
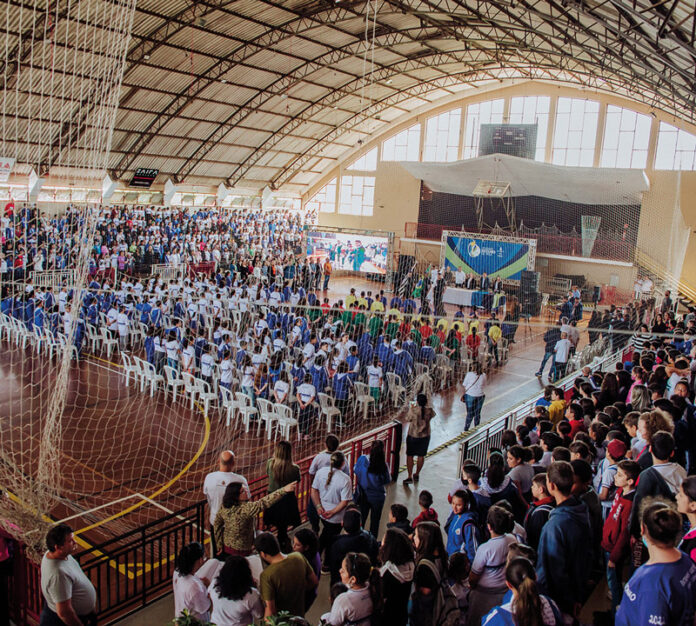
264,92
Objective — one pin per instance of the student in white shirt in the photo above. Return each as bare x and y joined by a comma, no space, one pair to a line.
207,365
562,351
306,395
188,357
190,592
122,322
172,349
281,388
331,493
375,376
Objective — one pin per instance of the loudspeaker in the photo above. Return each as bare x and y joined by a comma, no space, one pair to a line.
531,304
597,293
529,282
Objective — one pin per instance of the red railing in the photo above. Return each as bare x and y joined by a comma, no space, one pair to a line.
134,569
207,268
614,250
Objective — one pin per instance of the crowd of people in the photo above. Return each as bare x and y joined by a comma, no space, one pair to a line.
260,323
598,482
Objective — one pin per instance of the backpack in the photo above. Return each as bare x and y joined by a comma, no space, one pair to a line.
445,606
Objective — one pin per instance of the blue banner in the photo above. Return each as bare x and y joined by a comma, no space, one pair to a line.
496,258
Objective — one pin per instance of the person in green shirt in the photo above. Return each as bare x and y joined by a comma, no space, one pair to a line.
392,328
452,346
374,326
359,319
286,579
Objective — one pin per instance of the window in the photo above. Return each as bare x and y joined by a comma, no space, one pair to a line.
533,110
676,149
403,146
357,195
626,138
575,132
442,136
490,112
324,200
366,163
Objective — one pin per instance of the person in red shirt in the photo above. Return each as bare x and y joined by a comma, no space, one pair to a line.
575,416
473,341
616,535
426,330
427,514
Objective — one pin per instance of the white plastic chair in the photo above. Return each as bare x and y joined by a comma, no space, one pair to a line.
245,407
130,367
150,376
228,403
328,408
172,380
363,398
267,414
396,389
190,387
205,394
285,421
107,342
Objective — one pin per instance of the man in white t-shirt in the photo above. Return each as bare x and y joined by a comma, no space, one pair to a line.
460,277
562,350
214,487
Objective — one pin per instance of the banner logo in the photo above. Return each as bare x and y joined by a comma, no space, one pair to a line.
473,249
5,168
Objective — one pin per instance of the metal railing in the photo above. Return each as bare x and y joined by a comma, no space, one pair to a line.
53,278
476,445
136,568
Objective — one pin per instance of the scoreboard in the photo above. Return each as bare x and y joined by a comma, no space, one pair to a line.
143,177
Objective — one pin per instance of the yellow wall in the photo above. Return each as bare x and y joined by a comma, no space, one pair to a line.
397,196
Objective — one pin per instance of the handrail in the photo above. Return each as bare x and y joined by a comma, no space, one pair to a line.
476,444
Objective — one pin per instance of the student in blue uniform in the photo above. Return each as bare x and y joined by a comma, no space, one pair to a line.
527,605
663,590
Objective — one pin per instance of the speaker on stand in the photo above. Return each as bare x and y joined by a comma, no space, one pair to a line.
530,298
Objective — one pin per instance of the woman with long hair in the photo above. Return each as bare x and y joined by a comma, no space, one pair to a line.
235,522
285,513
640,399
608,392
501,487
474,396
360,605
236,601
372,474
429,545
664,588
527,607
398,565
418,438
306,542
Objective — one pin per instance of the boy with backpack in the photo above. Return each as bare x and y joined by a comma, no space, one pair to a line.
539,511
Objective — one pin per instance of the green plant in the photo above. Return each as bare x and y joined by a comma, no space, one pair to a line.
186,619
283,618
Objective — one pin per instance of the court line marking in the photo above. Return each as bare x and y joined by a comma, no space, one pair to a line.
162,488
145,499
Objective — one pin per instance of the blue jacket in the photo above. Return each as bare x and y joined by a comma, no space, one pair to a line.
562,568
372,484
462,533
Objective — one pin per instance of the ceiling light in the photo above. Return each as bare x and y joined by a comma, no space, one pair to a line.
389,81
223,80
146,57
